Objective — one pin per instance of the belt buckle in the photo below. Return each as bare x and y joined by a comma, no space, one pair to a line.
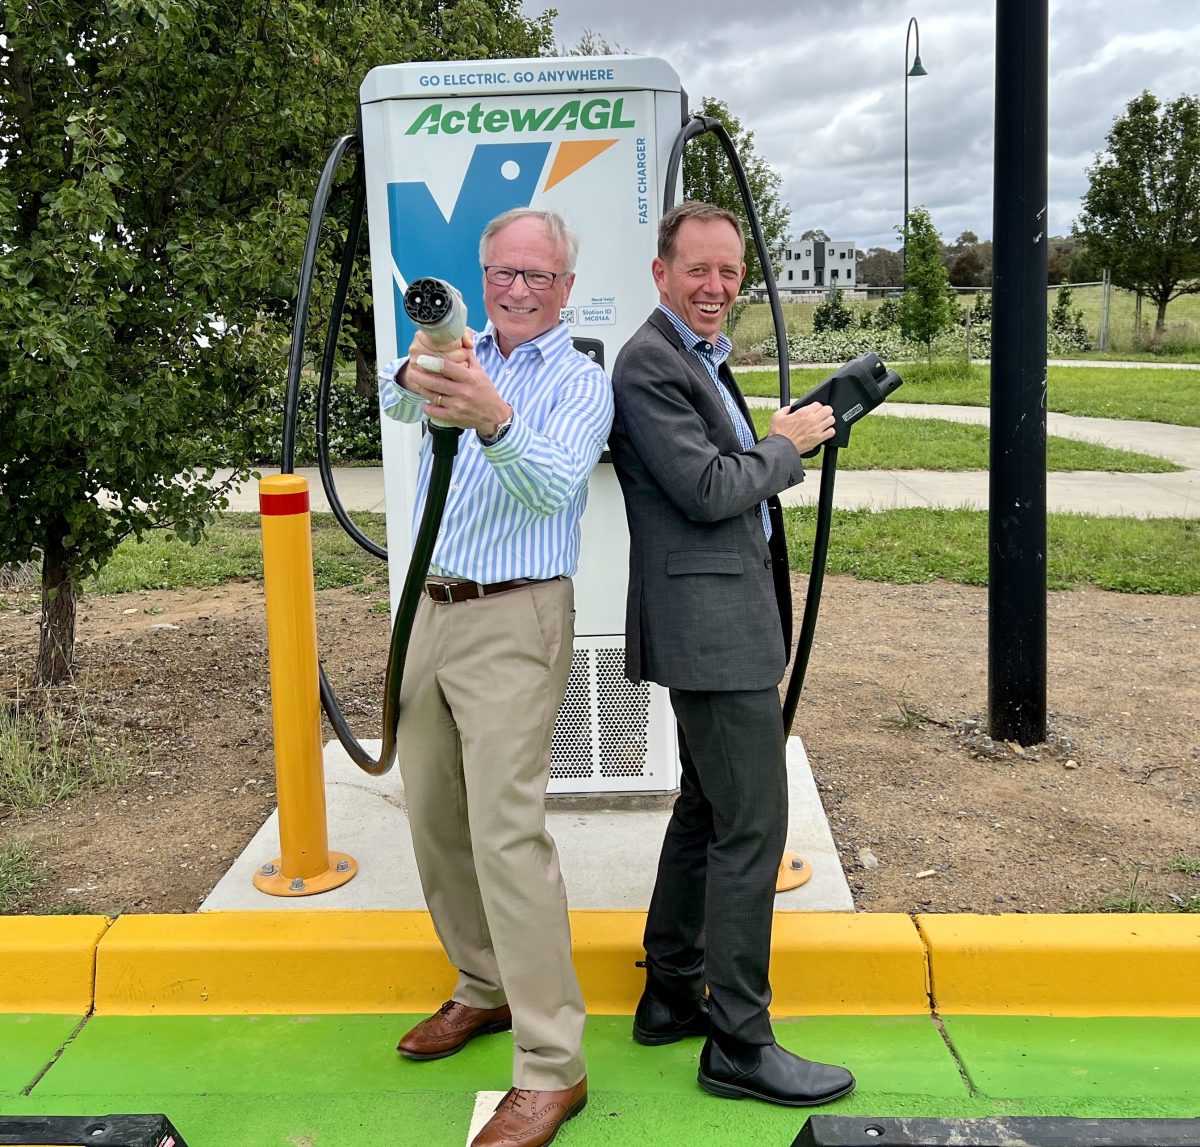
439,592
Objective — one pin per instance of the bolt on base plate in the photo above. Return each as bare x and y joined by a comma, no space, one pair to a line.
270,878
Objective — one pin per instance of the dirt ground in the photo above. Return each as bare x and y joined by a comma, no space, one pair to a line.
928,812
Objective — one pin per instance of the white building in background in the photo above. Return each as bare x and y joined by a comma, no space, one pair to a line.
814,267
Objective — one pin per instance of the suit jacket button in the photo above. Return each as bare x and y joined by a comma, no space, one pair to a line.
767,563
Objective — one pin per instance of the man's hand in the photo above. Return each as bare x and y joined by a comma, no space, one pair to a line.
807,428
458,389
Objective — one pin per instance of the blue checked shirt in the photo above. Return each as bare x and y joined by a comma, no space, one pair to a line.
711,357
513,508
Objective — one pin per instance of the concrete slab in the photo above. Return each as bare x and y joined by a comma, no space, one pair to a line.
608,848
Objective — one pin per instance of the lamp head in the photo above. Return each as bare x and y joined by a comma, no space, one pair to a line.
918,68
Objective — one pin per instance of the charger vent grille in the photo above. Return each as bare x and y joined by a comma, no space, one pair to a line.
624,717
603,724
571,747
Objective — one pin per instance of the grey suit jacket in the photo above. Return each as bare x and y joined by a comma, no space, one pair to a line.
709,605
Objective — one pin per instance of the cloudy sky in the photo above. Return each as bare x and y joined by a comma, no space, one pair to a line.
821,85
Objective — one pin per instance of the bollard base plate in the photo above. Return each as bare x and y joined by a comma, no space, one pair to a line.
272,880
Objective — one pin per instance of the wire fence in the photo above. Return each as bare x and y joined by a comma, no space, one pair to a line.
1116,319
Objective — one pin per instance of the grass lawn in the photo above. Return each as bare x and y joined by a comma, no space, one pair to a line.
899,546
937,444
1158,555
1140,394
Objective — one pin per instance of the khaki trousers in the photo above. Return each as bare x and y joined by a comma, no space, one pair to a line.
482,686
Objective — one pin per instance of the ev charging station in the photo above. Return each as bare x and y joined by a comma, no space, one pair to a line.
446,148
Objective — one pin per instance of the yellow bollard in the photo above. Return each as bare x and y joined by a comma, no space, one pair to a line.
306,865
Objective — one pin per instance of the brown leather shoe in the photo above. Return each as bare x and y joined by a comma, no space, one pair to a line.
450,1027
531,1118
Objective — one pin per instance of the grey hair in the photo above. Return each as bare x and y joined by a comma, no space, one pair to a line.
555,225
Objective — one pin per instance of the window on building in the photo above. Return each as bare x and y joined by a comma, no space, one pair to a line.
803,274
833,274
808,250
831,250
789,275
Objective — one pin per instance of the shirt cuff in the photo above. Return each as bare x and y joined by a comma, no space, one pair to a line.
396,401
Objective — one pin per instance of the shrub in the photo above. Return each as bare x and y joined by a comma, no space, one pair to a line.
352,423
832,315
1068,332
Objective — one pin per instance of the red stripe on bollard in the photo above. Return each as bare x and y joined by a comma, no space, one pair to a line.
296,503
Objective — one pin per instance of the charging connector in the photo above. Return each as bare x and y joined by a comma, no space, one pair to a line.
853,390
438,309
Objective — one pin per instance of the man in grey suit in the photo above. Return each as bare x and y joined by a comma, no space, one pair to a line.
709,617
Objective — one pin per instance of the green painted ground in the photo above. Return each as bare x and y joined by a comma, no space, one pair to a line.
335,1081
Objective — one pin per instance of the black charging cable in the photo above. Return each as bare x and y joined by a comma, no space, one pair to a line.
853,391
445,447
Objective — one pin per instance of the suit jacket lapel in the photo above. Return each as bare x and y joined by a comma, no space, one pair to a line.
726,376
664,326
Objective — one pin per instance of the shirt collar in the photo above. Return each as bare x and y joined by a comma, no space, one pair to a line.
718,351
545,345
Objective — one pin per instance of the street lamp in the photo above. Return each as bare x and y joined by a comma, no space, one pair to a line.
916,70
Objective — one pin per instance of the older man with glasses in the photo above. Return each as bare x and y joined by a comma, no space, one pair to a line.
488,663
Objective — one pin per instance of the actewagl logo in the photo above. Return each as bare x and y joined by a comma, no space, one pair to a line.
574,115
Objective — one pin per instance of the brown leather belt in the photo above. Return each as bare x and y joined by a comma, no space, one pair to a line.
447,592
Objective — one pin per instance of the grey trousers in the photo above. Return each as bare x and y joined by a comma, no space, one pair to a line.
481,690
711,913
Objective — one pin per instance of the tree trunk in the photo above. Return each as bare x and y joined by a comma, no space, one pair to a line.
1160,323
364,374
56,650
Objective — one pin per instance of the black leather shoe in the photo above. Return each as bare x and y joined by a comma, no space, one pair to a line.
770,1072
660,1019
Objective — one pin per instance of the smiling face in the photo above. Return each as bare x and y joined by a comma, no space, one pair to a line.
519,314
699,281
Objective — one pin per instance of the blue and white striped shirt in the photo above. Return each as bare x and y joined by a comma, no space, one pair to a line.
513,509
711,358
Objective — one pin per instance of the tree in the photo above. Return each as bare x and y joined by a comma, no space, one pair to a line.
1141,213
707,176
926,305
969,261
879,267
1059,259
592,43
159,157
1084,266
816,234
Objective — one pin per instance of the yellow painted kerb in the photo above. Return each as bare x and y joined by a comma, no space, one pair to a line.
1068,965
239,963
362,962
47,963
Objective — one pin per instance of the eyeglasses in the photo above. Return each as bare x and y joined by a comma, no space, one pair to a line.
534,280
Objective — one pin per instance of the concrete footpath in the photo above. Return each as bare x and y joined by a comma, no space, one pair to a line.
1083,492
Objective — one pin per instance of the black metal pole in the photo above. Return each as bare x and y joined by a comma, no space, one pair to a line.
1017,487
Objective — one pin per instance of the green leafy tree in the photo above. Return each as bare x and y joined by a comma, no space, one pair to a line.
1084,266
926,308
969,261
159,157
707,176
880,267
1141,213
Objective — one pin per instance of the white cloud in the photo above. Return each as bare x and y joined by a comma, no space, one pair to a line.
821,85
